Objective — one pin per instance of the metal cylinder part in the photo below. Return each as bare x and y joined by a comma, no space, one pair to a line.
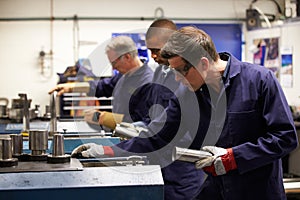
189,155
17,144
58,151
38,141
6,159
58,145
6,149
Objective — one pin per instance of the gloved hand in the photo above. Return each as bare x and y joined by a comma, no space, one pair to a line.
92,116
82,87
220,163
109,119
92,150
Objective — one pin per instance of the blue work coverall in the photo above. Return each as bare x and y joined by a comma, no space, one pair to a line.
122,87
181,179
250,114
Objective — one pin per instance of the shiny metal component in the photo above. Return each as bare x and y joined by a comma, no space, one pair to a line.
115,161
6,149
26,106
53,107
128,130
58,151
3,108
6,159
17,144
58,145
38,142
189,155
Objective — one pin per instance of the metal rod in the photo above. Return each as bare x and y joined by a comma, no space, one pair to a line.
189,155
53,120
26,126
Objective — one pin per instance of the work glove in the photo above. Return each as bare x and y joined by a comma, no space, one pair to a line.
92,116
109,119
81,87
221,161
92,150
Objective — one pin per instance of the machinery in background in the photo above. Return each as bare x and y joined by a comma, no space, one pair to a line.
72,105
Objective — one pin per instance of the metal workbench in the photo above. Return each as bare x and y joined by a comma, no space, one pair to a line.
116,182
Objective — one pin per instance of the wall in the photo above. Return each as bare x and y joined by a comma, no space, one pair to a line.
288,35
22,39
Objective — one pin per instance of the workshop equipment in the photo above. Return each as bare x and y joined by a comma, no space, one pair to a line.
17,145
3,107
107,178
38,144
58,152
6,159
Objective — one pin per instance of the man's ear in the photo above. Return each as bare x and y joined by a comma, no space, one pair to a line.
204,63
126,56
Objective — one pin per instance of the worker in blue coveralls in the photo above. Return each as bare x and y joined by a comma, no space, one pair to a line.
258,129
123,55
181,179
236,112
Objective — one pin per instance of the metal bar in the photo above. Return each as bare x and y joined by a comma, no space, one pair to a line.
86,98
86,107
116,19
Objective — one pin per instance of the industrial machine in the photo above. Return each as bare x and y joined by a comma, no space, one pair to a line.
48,172
39,165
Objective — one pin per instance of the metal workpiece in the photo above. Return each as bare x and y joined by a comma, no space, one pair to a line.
26,118
58,145
53,108
6,159
115,161
38,144
189,155
128,130
58,151
17,144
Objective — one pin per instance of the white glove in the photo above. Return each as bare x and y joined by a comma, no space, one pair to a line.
223,161
91,150
215,151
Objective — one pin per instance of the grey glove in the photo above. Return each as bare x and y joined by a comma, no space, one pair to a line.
215,151
87,150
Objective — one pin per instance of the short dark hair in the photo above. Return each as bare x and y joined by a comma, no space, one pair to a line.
162,28
191,44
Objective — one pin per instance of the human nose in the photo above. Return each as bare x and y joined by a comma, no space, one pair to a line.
178,77
153,55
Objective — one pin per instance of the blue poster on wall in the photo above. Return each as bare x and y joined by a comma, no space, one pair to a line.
227,37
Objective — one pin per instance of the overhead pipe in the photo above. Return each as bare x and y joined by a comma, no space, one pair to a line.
116,19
